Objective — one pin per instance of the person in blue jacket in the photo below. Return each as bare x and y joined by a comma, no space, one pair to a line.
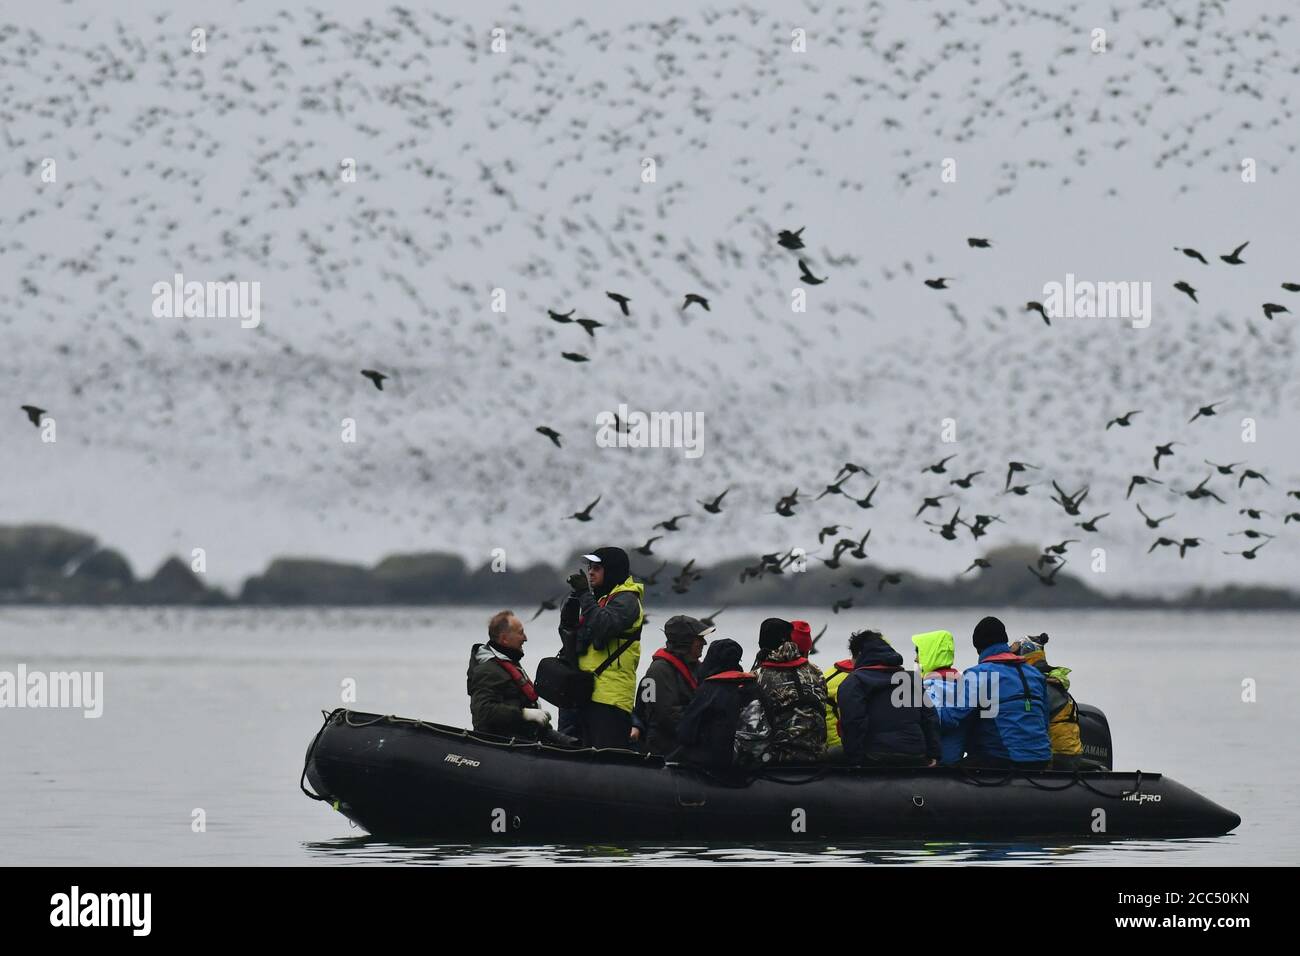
1006,724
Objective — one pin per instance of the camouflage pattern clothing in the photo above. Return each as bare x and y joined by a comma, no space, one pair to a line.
788,723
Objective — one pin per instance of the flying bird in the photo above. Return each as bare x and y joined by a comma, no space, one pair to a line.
377,377
550,433
1122,420
622,301
34,414
585,513
1235,258
807,276
790,240
691,297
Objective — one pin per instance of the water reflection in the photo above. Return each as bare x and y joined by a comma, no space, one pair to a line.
365,850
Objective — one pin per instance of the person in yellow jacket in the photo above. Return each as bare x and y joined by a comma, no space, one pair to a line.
607,613
834,676
1062,711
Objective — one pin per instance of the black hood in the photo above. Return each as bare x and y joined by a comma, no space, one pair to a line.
617,568
723,655
876,650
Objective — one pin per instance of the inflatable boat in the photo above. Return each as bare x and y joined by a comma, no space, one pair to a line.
408,779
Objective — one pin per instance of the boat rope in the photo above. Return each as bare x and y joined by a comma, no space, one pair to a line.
302,780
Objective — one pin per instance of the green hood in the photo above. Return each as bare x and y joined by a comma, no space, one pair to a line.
1062,674
934,649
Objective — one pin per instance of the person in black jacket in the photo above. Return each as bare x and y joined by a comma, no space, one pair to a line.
707,732
502,700
669,684
878,726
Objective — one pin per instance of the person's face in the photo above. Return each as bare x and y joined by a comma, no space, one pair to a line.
514,638
697,648
596,575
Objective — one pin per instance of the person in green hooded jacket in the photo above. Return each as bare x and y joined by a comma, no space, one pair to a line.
934,658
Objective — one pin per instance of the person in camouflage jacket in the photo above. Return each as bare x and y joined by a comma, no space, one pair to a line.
788,723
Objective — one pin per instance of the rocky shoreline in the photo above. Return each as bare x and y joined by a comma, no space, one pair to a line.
51,565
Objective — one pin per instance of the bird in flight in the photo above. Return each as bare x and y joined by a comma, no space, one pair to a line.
671,523
1152,523
714,507
1123,420
790,240
585,513
938,467
692,298
979,243
1038,307
1272,308
622,301
1140,480
1192,254
940,283
1016,466
1235,258
1206,411
550,433
1182,286
561,316
1091,523
807,276
966,482
547,605
34,414
377,377
645,548
575,357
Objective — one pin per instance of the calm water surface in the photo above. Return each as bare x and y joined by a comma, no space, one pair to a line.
214,710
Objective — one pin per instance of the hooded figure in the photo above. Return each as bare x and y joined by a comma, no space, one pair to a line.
795,693
669,684
834,676
1001,705
600,624
876,727
935,652
707,731
1062,711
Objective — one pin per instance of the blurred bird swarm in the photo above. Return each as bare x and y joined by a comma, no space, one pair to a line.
1099,300
651,430
208,300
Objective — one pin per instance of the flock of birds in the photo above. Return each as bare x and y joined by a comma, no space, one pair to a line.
478,171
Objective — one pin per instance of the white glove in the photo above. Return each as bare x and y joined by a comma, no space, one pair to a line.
536,715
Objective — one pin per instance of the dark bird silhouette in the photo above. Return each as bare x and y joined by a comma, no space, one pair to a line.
547,605
1070,502
1224,469
1291,286
590,326
938,468
1163,542
34,414
980,563
1200,491
1038,307
1091,524
860,547
866,502
691,297
831,531
966,482
1250,473
843,604
812,649
1152,523
948,530
645,548
807,276
714,507
1123,420
979,243
929,503
1140,480
1182,286
1188,543
1254,513
550,433
1017,466
1018,490
575,357
1249,554
585,513
790,240
622,301
1192,254
1060,548
709,620
1164,451
1252,534
1050,579
671,523
891,578
1235,258
851,469
1272,308
561,316
377,377
1206,411
940,283
835,488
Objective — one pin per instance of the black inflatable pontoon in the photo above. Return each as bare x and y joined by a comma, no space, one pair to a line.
402,778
